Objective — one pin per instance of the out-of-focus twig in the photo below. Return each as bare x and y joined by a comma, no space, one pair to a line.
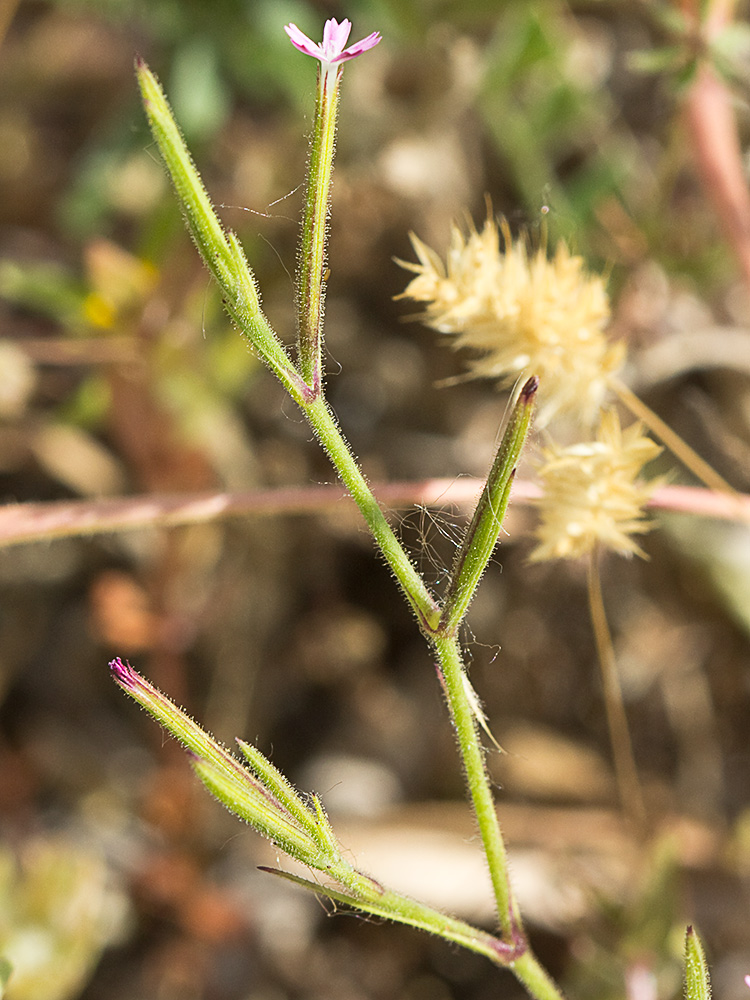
677,445
713,129
7,11
628,782
43,522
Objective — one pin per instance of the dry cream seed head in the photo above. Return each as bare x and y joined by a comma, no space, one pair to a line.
592,493
521,314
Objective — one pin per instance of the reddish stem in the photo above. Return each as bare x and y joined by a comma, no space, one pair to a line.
712,125
36,522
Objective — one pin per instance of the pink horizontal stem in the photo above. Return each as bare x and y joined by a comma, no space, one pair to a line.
33,522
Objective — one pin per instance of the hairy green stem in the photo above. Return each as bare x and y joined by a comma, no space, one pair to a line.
536,980
417,594
310,282
512,950
463,714
392,905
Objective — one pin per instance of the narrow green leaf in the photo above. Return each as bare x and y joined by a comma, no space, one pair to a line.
402,910
697,982
281,788
481,536
328,838
202,221
177,722
220,251
262,813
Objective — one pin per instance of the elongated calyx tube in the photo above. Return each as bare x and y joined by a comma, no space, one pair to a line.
481,536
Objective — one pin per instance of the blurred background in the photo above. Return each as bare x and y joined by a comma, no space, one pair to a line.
119,877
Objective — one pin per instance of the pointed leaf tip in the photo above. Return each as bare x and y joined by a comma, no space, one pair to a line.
697,979
531,386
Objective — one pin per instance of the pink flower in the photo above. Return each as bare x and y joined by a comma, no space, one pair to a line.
331,50
747,981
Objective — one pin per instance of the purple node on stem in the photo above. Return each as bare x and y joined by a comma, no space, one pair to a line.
510,951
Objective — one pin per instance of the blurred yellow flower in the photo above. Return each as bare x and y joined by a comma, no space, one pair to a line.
592,493
524,314
120,283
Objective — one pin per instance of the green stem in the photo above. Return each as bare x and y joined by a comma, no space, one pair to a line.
417,594
536,980
523,964
310,283
464,719
392,905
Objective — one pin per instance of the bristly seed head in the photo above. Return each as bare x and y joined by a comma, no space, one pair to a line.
522,313
593,494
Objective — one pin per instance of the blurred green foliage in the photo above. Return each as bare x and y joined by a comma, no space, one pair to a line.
58,910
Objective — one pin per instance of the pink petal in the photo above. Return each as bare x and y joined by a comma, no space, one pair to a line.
300,41
335,37
362,46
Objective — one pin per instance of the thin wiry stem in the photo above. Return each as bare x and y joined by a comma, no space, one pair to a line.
25,523
679,448
628,782
713,128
